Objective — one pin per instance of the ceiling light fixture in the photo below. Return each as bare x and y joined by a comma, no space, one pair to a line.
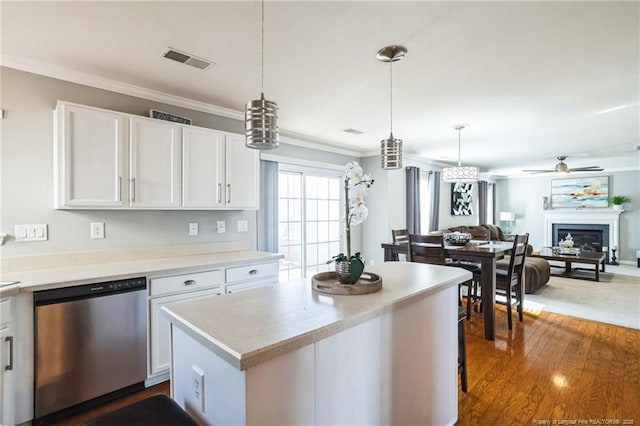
460,173
261,115
391,148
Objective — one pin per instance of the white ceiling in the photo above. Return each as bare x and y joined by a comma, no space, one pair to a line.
529,77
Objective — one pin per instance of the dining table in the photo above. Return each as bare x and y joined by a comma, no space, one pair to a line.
485,253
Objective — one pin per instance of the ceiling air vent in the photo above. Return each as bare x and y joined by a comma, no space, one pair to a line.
353,131
187,58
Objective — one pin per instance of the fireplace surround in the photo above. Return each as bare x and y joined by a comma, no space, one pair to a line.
590,221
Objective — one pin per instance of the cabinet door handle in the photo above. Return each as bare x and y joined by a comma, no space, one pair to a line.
119,188
10,340
189,282
229,193
133,189
253,271
219,193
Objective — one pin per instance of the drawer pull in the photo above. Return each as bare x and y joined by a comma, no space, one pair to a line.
189,282
10,365
253,271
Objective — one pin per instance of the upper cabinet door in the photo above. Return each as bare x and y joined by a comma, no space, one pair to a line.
203,153
155,164
89,157
242,175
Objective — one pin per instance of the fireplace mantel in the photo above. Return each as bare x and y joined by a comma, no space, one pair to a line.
609,217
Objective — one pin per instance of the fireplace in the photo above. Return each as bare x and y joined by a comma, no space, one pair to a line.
586,237
592,228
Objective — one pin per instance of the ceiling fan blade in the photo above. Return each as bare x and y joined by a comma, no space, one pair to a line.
587,169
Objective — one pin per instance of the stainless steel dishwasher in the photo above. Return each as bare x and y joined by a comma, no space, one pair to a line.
90,346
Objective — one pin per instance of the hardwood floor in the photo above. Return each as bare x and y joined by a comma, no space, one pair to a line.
551,367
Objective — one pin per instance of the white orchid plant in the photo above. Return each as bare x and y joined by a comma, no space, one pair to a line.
356,188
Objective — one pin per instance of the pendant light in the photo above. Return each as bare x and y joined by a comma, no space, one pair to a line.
460,173
261,115
391,148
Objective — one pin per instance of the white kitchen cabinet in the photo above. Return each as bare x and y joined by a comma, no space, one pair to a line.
155,164
110,160
7,363
242,174
89,151
219,171
203,163
240,278
160,350
169,289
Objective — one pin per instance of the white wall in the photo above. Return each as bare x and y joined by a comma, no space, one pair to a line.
523,196
26,152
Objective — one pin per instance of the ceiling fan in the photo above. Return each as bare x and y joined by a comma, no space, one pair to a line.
562,167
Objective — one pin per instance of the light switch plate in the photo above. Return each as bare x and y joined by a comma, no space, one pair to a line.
26,233
243,226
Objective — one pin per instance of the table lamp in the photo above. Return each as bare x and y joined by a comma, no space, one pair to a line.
508,218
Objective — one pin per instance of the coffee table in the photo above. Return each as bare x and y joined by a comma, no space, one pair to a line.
593,258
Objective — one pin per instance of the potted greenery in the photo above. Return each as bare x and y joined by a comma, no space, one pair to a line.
618,201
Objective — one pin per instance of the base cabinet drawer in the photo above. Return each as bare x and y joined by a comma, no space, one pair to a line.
185,282
252,272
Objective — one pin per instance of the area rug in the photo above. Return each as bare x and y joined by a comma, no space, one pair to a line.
613,300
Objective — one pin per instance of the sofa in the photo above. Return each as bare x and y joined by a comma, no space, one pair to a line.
536,270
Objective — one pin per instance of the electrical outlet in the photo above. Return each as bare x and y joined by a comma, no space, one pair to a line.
221,227
198,385
243,226
97,230
193,228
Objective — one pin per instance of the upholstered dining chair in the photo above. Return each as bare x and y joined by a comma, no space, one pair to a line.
509,283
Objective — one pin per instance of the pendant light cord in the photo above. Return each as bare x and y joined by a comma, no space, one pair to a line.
391,95
262,52
459,131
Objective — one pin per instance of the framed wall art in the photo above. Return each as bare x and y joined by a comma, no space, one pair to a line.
582,192
461,199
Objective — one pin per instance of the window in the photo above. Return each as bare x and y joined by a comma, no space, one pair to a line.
308,220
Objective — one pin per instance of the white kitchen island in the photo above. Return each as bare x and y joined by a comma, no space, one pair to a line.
288,355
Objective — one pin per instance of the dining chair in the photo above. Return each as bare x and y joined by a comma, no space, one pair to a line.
426,249
400,235
509,283
430,249
462,349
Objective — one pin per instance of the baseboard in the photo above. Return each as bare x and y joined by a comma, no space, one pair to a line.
151,381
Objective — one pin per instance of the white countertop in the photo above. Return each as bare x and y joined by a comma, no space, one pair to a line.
68,275
251,327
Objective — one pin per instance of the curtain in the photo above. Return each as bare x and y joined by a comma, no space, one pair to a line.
413,199
434,191
491,214
268,213
483,201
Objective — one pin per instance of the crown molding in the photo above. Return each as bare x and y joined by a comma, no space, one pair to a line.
293,138
73,76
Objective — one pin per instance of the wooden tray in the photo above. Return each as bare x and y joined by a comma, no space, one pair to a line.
327,282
